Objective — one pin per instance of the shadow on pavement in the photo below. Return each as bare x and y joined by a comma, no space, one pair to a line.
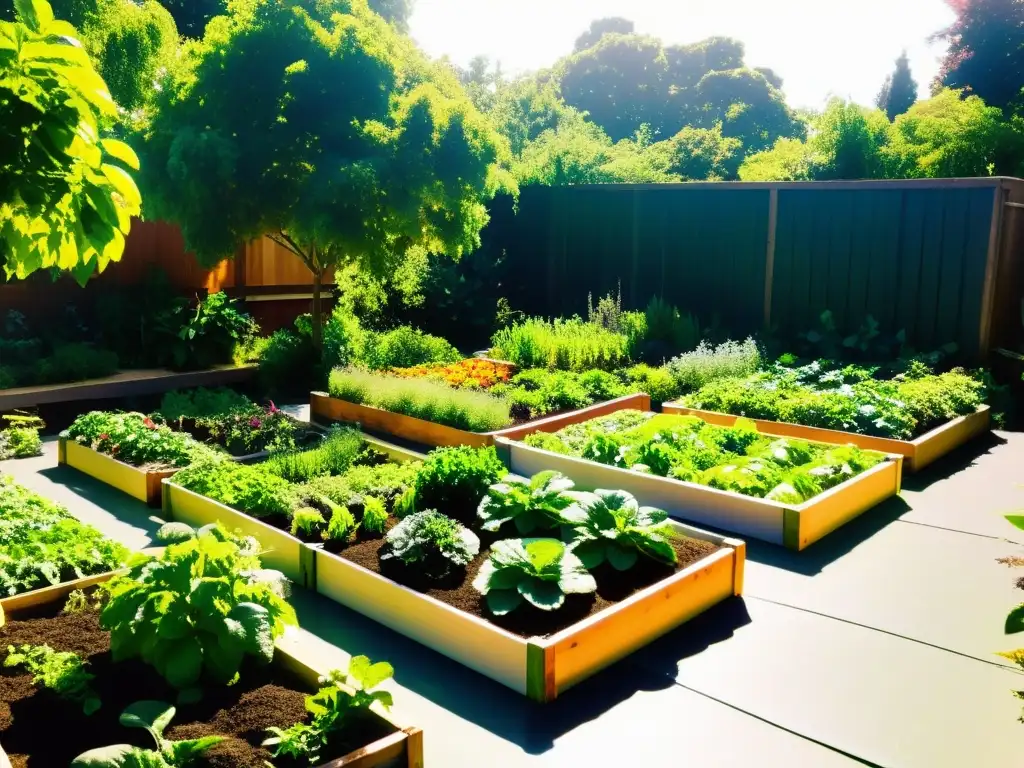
499,710
118,505
960,460
835,545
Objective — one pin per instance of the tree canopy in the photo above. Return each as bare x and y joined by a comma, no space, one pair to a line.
601,27
324,129
66,201
899,91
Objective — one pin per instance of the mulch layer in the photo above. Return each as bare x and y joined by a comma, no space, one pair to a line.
40,730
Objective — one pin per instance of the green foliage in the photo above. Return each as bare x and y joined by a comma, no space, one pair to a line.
659,383
203,333
383,481
324,128
66,199
613,25
153,717
706,363
41,544
344,337
191,16
610,526
704,154
375,517
199,611
665,325
405,347
540,571
135,439
432,543
787,160
421,398
537,392
333,456
847,399
175,533
571,345
342,524
63,673
335,707
456,480
537,503
899,91
307,522
201,404
20,439
249,488
736,458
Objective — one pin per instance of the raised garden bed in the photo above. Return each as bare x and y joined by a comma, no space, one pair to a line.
792,524
271,693
917,453
540,666
138,482
325,409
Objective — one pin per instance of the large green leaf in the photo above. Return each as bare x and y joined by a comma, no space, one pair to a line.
621,558
259,636
184,663
1016,520
591,552
546,595
1015,620
369,675
152,716
503,601
120,151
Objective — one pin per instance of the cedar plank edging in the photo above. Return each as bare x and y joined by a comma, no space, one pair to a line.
540,667
141,484
123,384
323,407
402,749
917,453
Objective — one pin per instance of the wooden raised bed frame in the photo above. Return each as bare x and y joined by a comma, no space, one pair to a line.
540,667
917,453
324,408
138,483
402,749
793,526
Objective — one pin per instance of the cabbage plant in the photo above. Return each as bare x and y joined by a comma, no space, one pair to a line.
610,526
533,504
539,571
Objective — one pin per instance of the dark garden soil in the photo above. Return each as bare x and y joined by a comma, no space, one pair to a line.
526,621
40,730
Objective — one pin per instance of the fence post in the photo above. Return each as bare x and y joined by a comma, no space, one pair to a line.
999,196
769,259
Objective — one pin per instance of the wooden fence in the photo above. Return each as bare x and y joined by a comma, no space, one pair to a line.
940,259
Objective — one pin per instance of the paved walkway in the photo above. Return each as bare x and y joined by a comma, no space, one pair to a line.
873,647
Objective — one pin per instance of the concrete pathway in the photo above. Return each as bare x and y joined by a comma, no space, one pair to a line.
876,647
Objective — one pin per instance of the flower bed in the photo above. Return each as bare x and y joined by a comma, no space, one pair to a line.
86,691
920,416
472,372
784,491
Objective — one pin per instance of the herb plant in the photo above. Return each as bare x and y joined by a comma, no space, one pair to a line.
375,517
198,611
63,673
540,571
569,345
432,543
384,481
153,717
533,504
343,699
333,456
706,363
455,480
341,526
610,526
307,522
404,347
249,488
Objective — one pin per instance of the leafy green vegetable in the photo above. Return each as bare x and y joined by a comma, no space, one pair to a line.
249,488
336,706
341,526
375,517
431,542
540,571
384,481
456,479
199,610
610,526
153,717
307,522
534,504
61,672
135,439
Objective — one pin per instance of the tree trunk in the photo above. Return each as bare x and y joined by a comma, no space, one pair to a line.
318,322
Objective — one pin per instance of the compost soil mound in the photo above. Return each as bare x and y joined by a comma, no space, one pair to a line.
457,588
29,716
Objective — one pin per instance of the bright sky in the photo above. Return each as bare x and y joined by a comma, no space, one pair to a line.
819,47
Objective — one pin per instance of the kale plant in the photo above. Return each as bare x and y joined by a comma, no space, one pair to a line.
540,571
61,672
431,542
610,526
198,611
342,699
537,503
153,717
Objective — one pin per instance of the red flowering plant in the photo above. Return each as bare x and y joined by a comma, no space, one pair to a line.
253,428
135,439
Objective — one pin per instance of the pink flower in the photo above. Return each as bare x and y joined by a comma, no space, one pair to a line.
273,408
255,423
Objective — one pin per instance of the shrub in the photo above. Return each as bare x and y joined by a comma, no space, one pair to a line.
667,326
570,345
195,404
344,338
404,347
288,363
456,480
202,333
540,571
198,611
431,542
250,489
421,398
333,456
659,383
731,358
73,362
20,440
135,439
